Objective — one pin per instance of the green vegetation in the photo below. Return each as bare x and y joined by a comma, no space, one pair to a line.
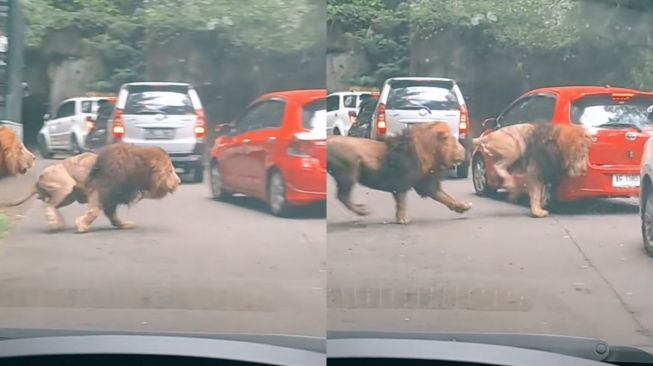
120,29
5,225
619,30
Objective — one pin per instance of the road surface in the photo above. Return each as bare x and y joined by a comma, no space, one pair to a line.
580,272
191,265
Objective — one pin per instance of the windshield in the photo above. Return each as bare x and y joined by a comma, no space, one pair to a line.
604,110
503,234
155,102
416,97
199,229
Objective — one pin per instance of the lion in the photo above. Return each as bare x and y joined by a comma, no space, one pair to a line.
553,151
123,174
117,174
505,147
60,185
419,158
15,158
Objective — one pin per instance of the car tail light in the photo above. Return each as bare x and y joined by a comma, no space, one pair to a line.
352,117
90,124
463,125
622,97
381,125
200,127
301,148
118,129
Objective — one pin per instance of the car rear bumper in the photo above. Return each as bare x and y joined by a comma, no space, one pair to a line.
305,180
597,183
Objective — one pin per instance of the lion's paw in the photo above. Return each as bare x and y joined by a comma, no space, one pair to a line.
540,213
126,225
402,220
463,207
81,226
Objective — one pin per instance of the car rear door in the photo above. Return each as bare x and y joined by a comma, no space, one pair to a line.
161,115
419,101
620,124
59,132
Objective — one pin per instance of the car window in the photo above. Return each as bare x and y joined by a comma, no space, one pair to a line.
516,113
420,94
171,102
349,101
366,110
267,114
314,116
103,115
542,108
333,103
87,106
605,110
66,110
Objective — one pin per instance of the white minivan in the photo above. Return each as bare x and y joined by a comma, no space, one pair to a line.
406,101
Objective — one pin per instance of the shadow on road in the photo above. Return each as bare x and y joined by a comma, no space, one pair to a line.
333,227
592,206
313,211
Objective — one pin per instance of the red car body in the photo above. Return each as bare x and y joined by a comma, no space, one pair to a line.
282,140
616,151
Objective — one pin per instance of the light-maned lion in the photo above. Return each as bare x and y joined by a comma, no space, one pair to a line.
122,175
60,185
15,159
505,147
553,151
419,158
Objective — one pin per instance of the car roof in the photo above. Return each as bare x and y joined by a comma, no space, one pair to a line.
351,92
296,94
84,98
157,83
579,91
420,78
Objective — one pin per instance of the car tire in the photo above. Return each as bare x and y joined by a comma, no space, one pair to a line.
277,199
198,174
479,178
43,148
336,132
462,171
647,220
76,149
216,184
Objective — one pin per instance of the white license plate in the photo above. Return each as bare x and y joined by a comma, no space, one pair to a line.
159,133
625,181
180,170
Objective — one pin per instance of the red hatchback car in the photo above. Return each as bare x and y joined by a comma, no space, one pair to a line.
275,151
618,120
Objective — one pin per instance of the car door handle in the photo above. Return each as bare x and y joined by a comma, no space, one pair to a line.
246,141
272,138
394,114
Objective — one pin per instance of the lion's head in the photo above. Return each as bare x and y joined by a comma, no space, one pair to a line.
163,178
574,143
437,146
15,158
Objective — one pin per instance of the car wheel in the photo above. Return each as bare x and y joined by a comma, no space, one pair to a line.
462,171
647,221
198,174
217,186
277,195
43,148
76,149
336,132
479,178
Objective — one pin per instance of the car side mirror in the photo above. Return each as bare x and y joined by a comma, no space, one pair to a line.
223,129
490,123
46,117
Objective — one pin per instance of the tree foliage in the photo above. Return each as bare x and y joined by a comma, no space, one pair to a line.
120,29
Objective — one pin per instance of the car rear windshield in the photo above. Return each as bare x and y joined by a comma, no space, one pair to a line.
417,94
103,114
607,110
159,99
314,116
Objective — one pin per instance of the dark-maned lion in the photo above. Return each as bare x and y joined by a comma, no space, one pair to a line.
60,185
419,158
15,159
553,151
122,175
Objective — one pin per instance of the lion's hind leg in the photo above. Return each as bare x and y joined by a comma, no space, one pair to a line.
536,193
112,215
84,222
346,178
56,188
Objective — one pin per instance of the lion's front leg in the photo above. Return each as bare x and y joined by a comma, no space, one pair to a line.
54,218
434,190
84,222
111,213
400,206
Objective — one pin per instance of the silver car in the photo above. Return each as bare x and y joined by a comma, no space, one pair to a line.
168,115
409,100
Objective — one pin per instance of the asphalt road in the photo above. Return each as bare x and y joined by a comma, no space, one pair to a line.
581,272
191,265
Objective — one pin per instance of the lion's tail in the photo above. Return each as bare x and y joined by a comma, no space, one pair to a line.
33,192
